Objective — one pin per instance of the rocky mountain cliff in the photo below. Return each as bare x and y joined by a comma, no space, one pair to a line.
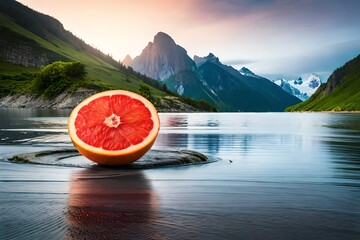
166,61
17,49
162,58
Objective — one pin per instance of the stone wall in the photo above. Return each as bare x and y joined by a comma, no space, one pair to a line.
17,49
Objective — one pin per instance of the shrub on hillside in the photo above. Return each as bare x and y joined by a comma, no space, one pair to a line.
145,91
199,104
56,77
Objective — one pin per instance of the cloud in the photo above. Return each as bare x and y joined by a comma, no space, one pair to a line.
324,60
306,13
331,56
239,62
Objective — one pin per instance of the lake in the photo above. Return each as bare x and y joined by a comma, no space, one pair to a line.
283,176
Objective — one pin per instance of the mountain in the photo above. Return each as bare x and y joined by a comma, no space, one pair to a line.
30,41
341,92
242,92
207,78
289,88
246,72
215,60
127,61
162,58
166,61
300,88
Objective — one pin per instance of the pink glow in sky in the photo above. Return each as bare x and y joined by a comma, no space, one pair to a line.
271,37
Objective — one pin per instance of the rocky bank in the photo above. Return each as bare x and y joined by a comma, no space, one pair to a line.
69,100
65,100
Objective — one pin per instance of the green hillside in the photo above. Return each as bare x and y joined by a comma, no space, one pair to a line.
340,93
43,37
31,41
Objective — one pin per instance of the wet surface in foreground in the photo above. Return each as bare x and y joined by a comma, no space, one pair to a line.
292,176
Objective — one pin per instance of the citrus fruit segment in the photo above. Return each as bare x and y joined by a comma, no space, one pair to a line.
114,127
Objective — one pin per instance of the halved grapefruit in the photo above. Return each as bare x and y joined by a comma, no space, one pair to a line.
114,127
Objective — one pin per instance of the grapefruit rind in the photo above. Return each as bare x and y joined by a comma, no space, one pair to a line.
114,157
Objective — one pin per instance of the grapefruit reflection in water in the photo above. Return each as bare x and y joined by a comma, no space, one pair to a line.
111,204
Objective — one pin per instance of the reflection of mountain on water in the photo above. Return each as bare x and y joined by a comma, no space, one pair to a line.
174,121
111,204
213,123
171,135
344,146
207,142
346,159
239,144
172,140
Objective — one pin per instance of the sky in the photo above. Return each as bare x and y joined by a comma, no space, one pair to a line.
273,38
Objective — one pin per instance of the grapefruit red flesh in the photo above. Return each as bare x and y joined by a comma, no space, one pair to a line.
114,127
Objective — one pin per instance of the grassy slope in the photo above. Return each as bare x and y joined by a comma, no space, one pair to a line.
13,69
15,78
99,72
345,96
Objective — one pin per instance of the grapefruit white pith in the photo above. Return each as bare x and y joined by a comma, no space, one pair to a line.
114,127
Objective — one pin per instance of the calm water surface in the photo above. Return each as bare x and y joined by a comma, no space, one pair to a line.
283,176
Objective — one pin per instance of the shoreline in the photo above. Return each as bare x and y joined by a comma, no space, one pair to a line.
355,111
69,100
161,110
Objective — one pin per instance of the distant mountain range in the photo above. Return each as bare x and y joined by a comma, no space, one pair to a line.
300,88
207,78
30,40
340,93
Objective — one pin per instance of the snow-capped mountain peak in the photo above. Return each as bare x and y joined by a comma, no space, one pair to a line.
313,81
299,81
300,88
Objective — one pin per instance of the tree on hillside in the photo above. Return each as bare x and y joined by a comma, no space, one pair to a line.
145,91
56,77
